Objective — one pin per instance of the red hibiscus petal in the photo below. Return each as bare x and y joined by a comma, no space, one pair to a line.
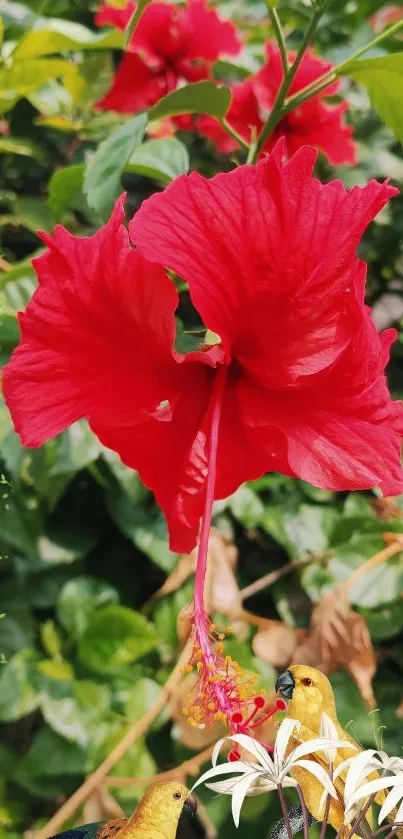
113,16
209,35
342,430
324,127
134,88
158,34
170,451
96,338
255,231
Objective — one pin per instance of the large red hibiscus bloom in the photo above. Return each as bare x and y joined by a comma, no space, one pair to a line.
314,122
169,44
296,382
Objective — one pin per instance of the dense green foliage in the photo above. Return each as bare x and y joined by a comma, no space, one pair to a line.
83,546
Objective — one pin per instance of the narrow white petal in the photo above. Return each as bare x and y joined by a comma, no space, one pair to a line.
217,749
253,746
238,766
356,770
238,796
320,773
374,786
390,802
318,745
328,729
283,735
342,766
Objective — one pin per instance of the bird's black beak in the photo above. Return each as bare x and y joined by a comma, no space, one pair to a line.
285,684
190,805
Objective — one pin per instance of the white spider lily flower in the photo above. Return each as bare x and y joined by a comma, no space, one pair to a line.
356,790
359,767
328,730
268,772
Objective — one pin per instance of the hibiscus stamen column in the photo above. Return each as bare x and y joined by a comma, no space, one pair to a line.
224,692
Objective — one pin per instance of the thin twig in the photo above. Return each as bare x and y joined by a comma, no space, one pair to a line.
67,810
394,548
327,808
284,808
191,766
277,574
304,812
279,35
4,265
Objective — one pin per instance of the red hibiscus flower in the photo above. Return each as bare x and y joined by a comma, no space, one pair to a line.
169,44
314,122
296,383
386,16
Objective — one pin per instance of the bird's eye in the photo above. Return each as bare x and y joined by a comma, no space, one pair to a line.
306,682
177,796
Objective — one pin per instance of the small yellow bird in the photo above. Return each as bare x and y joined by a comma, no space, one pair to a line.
155,817
310,694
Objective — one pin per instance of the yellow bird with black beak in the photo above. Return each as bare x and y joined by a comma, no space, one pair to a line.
309,694
155,817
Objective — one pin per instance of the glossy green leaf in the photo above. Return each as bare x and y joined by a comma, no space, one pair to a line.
64,186
18,694
51,638
197,98
162,160
102,176
383,79
79,599
75,709
20,146
78,447
115,637
54,35
145,527
135,19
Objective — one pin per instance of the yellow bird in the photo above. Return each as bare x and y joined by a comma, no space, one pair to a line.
309,695
155,817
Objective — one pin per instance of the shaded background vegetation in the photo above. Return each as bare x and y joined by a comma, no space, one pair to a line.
83,545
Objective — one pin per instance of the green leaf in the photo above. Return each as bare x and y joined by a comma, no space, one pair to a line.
246,506
21,146
53,35
18,695
383,78
24,77
197,98
75,709
51,638
64,186
115,637
162,160
79,599
102,176
49,757
78,447
305,530
141,697
145,527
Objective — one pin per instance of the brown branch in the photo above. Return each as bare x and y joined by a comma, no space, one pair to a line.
67,810
395,547
191,766
4,265
277,574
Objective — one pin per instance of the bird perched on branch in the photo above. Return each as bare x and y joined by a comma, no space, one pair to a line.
310,695
155,817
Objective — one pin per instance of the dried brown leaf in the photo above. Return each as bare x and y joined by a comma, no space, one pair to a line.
275,644
344,641
399,711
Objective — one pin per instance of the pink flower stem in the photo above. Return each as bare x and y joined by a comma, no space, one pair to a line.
201,565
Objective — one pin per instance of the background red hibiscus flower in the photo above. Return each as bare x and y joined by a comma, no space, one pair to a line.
169,44
315,122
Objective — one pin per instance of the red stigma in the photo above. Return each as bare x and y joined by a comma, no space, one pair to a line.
259,701
237,717
234,755
281,704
